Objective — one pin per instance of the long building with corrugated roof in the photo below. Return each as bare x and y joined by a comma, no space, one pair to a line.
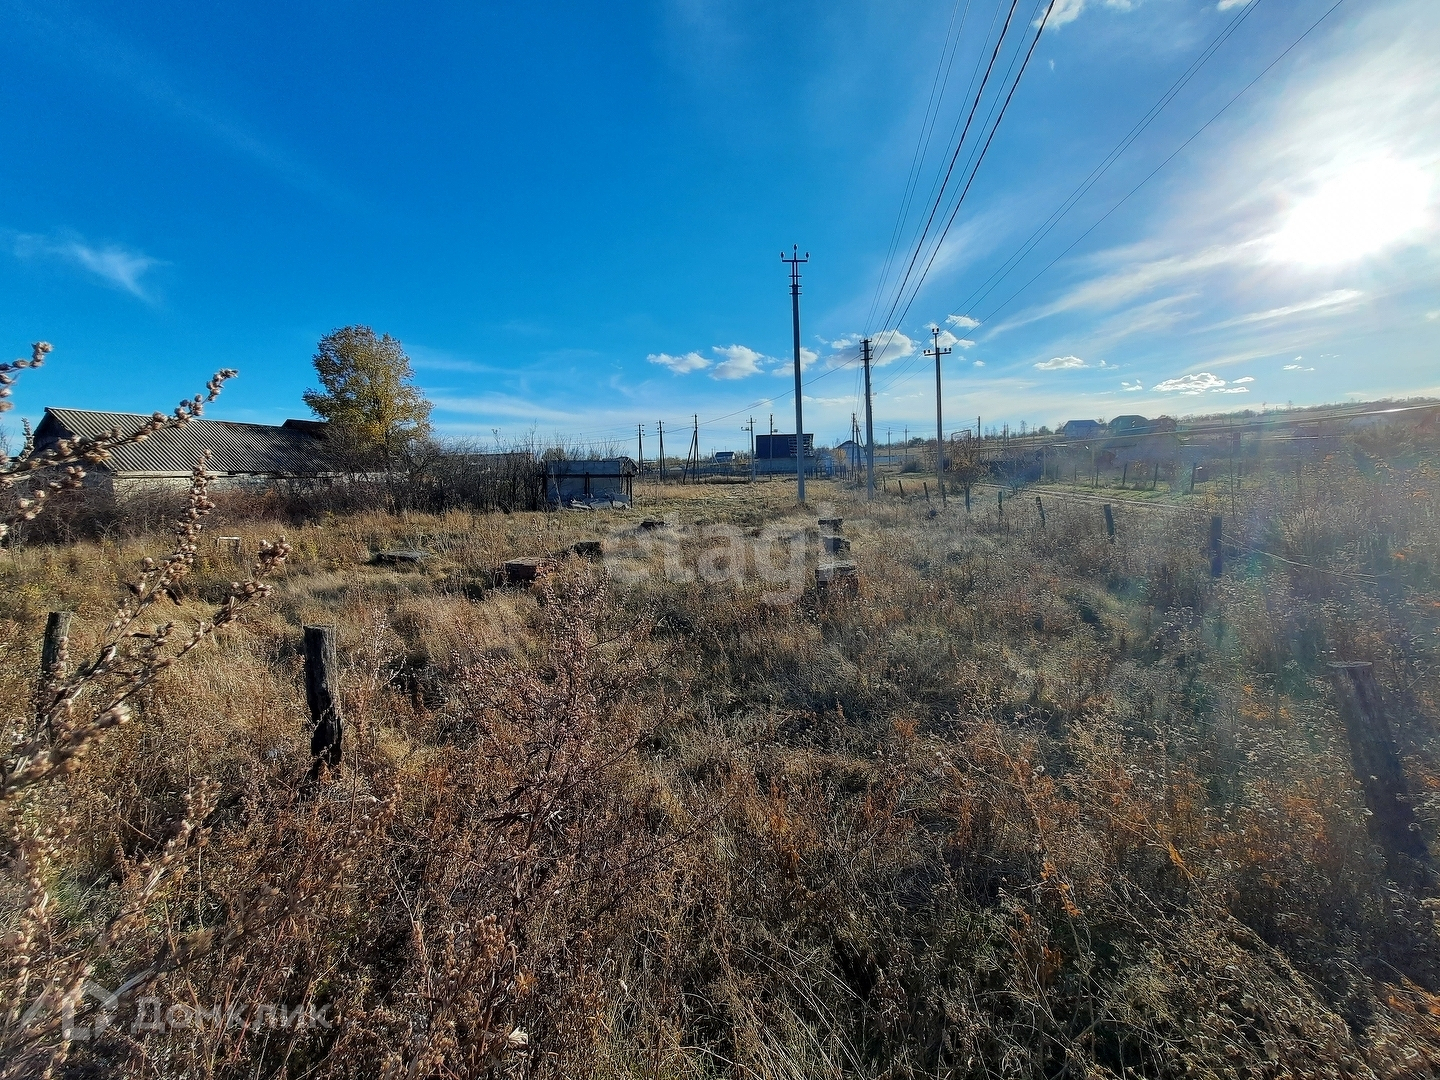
240,454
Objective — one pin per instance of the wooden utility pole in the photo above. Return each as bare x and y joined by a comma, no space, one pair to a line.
869,425
938,352
692,456
795,259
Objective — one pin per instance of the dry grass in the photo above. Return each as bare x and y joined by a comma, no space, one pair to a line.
1031,804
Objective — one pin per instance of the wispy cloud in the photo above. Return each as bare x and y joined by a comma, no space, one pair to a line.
1130,388
119,267
1061,363
1340,298
964,322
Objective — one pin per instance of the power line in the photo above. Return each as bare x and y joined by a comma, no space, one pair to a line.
1244,90
1106,162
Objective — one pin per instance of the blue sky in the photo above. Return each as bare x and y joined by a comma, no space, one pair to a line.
572,214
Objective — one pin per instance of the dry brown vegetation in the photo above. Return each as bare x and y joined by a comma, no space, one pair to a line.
1034,803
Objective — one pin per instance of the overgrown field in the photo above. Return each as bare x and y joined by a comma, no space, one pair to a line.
1033,802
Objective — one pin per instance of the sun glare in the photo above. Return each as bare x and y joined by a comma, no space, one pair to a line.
1364,210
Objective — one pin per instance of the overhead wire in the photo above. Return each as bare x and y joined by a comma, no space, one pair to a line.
1048,225
1173,154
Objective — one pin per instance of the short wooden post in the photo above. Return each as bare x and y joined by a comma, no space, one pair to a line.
1194,467
1040,509
927,489
1124,474
1217,566
321,668
1000,505
1109,523
52,659
52,651
901,483
1155,477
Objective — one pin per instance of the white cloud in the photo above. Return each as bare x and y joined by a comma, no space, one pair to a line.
965,322
1131,387
116,266
1432,315
739,362
1245,379
979,363
1061,363
1067,11
1199,383
1226,5
680,365
892,346
965,343
1234,390
807,357
1296,367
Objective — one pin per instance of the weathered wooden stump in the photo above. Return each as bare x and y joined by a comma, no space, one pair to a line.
652,523
832,523
400,557
587,549
837,577
1376,763
834,545
525,570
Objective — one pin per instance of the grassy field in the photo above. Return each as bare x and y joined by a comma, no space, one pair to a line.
1033,801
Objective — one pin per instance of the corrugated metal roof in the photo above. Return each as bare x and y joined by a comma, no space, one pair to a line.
244,449
598,467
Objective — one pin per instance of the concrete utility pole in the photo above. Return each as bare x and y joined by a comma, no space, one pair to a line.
752,449
795,259
661,425
869,425
640,446
938,352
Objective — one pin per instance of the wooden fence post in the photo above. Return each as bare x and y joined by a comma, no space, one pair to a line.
1040,508
321,667
1110,523
1194,467
1217,566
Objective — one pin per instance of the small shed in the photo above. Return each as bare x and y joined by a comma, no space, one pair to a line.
589,478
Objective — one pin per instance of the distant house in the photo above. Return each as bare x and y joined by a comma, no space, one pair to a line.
601,478
240,454
1081,429
1131,424
724,457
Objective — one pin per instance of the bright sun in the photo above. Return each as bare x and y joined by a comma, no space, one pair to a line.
1366,208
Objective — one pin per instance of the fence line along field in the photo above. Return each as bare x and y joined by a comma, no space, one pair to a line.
1035,797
